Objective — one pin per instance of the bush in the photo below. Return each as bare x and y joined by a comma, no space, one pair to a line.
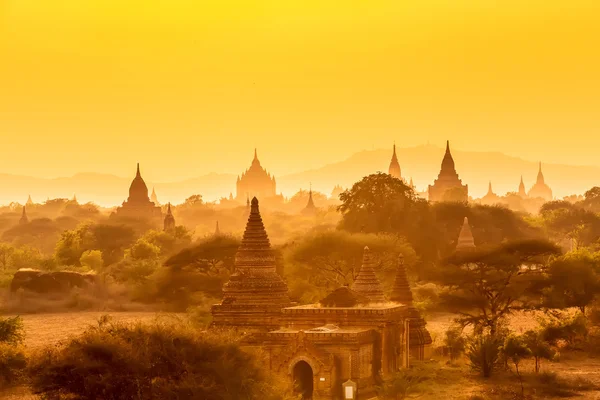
11,330
158,361
455,343
484,353
568,330
12,364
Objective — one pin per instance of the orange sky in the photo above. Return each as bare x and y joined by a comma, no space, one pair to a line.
188,87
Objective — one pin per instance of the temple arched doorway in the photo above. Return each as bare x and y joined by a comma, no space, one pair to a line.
303,380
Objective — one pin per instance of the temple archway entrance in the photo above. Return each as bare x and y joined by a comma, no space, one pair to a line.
303,380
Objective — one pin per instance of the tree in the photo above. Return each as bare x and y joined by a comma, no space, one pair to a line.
486,285
6,251
573,280
540,349
516,350
92,259
193,200
329,259
592,199
143,250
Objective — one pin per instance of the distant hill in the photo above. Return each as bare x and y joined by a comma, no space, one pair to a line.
422,163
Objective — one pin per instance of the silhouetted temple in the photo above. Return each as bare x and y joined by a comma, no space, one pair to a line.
465,237
29,201
540,188
394,169
255,182
490,198
138,204
255,294
401,292
24,219
337,190
154,198
310,208
217,230
448,187
522,193
169,222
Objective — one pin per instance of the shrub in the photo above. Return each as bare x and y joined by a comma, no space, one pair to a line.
455,342
158,361
11,330
484,353
538,347
406,382
12,363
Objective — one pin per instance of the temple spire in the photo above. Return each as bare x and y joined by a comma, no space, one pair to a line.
540,176
401,292
366,282
522,191
24,219
169,222
310,206
490,191
137,174
394,168
465,238
217,231
29,201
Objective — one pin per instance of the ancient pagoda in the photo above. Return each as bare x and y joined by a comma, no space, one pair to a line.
394,168
310,208
465,238
448,187
522,193
154,198
540,189
401,292
490,198
169,222
217,230
24,219
366,283
29,201
255,182
138,204
255,294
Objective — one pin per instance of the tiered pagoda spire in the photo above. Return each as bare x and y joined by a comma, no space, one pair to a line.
310,205
394,168
540,189
29,201
366,283
24,219
154,197
522,191
169,222
217,231
448,181
401,292
465,238
255,294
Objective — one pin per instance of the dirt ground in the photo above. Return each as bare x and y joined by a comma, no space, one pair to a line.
453,381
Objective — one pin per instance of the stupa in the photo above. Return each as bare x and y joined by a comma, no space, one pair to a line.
465,238
255,294
448,187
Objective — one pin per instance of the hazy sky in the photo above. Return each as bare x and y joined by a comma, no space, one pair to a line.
187,87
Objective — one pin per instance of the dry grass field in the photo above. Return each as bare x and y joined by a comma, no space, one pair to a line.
452,381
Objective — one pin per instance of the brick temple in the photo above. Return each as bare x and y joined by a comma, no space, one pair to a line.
354,337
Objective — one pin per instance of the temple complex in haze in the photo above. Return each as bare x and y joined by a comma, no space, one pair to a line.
465,238
353,336
154,198
138,204
255,182
394,168
448,187
540,189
